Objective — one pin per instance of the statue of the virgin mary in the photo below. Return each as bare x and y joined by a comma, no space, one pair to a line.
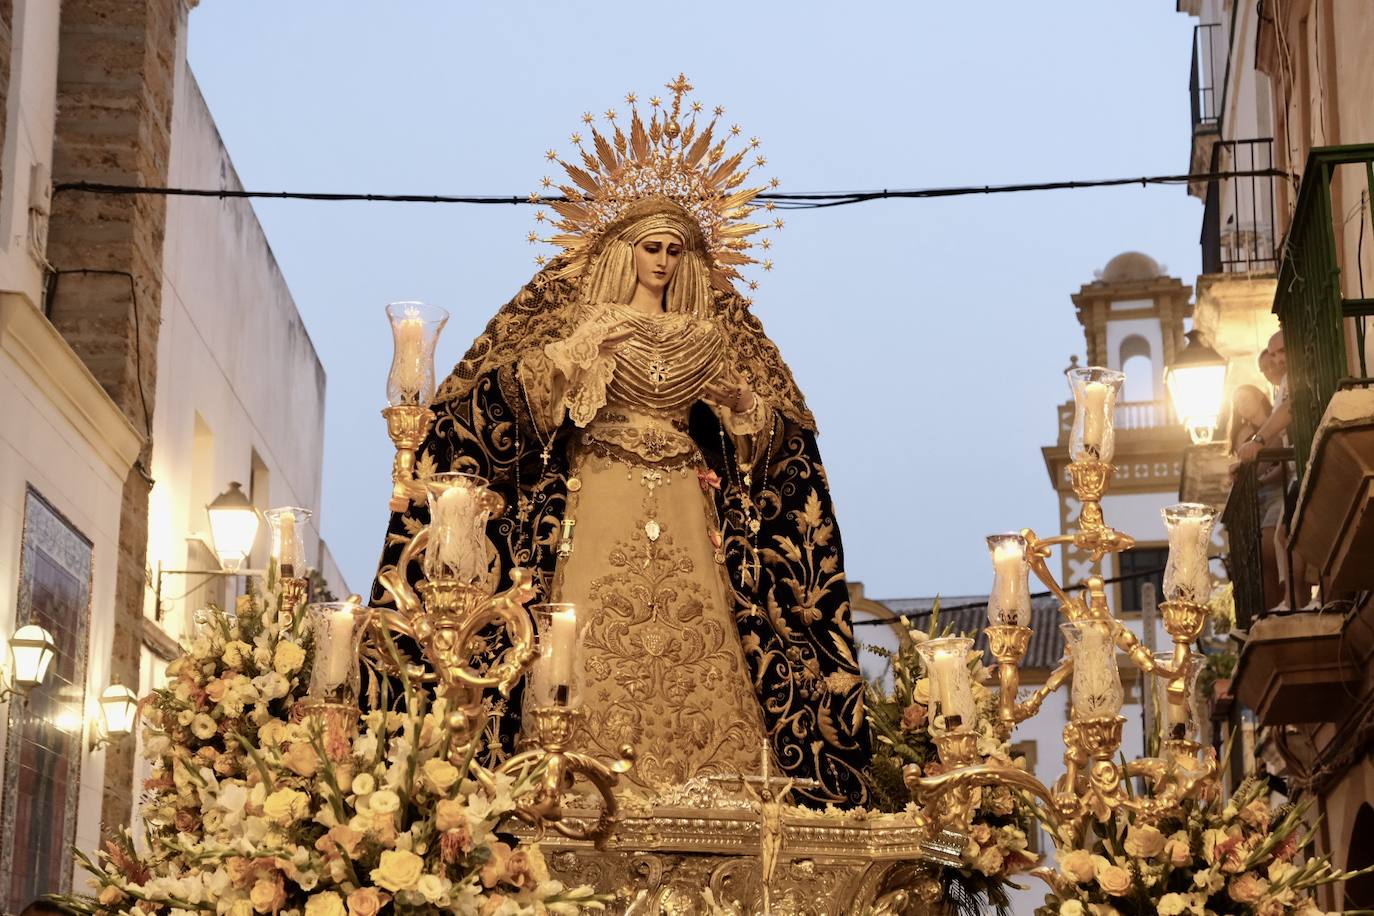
660,471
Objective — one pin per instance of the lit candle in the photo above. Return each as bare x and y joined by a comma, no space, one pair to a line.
410,355
289,546
946,670
339,662
563,648
455,531
1010,604
1094,416
1096,687
1188,539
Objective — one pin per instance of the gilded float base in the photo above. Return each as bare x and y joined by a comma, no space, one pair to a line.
663,859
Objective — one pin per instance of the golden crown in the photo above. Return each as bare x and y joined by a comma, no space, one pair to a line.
671,158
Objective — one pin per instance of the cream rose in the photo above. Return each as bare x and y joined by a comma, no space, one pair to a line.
920,693
364,784
267,896
240,908
301,759
286,805
366,901
450,814
288,659
1078,865
431,887
326,903
398,870
1173,905
1177,850
1115,880
1071,908
1144,841
440,774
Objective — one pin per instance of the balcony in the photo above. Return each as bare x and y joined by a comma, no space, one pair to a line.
1311,666
1311,301
1238,219
1206,85
1206,76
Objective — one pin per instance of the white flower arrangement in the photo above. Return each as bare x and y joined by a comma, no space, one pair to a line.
250,813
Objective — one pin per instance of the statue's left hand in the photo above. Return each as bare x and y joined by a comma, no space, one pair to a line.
735,396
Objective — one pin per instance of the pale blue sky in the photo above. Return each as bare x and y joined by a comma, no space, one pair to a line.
928,335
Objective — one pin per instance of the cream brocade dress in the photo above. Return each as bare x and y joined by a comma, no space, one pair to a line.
663,666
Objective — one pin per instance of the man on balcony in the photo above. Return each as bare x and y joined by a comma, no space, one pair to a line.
1274,432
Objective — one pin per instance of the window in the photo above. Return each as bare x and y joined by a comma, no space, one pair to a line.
1140,560
1138,364
43,750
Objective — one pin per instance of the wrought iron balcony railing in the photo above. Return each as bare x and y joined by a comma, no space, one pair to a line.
1311,299
1238,221
1205,77
1243,519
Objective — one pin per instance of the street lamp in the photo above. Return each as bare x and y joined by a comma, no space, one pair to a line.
1196,383
32,650
233,526
119,705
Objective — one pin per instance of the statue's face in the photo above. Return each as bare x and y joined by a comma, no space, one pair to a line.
656,260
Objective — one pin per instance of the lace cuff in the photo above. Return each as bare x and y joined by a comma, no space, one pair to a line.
749,423
579,360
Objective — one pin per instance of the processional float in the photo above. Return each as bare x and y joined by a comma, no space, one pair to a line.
751,851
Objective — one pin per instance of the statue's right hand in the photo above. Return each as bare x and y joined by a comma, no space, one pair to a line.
618,334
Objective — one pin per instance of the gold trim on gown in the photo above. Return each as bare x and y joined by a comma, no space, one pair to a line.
663,666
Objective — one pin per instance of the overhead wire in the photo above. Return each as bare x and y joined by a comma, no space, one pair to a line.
804,200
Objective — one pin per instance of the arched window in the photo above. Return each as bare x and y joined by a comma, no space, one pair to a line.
1139,367
1359,892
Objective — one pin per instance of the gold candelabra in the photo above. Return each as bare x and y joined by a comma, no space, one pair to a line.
449,609
1093,784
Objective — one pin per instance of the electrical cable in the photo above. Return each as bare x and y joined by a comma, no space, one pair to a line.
877,621
808,200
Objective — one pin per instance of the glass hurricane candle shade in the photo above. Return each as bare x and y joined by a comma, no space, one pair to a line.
458,512
1187,575
288,547
1096,688
556,678
338,628
415,328
1010,603
1093,436
951,685
1176,721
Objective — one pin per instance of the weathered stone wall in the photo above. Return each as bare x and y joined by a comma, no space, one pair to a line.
114,101
6,56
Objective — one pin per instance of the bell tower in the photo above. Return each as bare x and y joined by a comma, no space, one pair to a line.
1132,316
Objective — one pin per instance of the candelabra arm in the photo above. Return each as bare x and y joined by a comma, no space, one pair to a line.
930,788
1144,659
407,425
1057,677
507,609
395,580
554,726
1037,552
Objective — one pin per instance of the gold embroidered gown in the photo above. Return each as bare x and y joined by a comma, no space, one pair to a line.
663,665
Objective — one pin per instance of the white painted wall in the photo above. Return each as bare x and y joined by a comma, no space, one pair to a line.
59,431
29,126
1119,330
233,351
